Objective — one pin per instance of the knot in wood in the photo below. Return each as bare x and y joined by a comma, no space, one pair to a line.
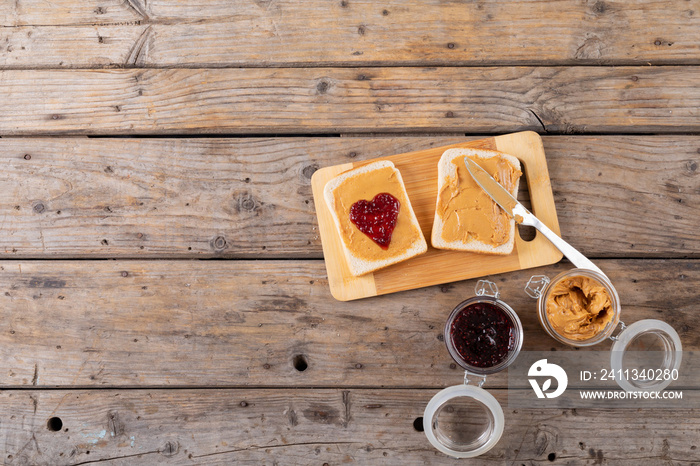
600,7
170,448
219,243
322,87
309,170
546,438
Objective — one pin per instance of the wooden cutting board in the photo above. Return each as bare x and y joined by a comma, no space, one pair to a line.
419,172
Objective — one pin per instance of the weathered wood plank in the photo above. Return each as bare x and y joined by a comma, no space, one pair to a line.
332,100
67,12
315,427
173,198
286,32
251,323
74,46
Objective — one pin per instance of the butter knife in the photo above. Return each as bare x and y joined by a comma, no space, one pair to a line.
523,216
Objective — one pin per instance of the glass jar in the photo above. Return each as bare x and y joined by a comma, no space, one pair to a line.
507,311
606,332
464,421
654,338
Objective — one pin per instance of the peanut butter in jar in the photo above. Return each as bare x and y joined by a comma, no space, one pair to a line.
579,307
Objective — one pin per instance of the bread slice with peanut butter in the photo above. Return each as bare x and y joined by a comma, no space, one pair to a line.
374,218
466,218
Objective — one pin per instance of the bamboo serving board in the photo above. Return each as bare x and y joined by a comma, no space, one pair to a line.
419,172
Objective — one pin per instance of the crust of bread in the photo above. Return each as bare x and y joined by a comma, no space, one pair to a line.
362,266
447,169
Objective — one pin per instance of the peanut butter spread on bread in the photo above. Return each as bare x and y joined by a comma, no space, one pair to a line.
366,186
467,212
579,308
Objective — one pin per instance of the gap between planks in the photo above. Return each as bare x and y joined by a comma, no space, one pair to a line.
165,388
363,65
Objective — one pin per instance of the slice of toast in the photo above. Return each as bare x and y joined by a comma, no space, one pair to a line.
363,254
466,218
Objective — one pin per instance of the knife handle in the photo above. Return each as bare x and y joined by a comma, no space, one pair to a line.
576,258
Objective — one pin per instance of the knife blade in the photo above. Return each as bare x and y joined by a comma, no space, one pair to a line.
516,210
493,188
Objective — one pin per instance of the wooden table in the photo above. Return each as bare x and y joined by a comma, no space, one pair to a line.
164,293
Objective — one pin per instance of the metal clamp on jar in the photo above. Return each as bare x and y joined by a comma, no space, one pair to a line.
484,336
581,307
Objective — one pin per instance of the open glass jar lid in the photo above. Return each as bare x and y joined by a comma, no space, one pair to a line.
646,345
581,307
484,336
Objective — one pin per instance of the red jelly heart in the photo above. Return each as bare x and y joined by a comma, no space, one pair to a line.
376,218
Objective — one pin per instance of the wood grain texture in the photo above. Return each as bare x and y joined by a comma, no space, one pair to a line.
249,323
333,100
251,197
317,32
199,362
316,427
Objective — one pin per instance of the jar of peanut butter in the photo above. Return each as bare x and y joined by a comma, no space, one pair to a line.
581,307
484,336
578,307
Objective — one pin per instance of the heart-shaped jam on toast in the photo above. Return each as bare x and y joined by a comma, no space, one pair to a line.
376,218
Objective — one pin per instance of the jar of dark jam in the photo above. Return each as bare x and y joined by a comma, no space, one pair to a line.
484,336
